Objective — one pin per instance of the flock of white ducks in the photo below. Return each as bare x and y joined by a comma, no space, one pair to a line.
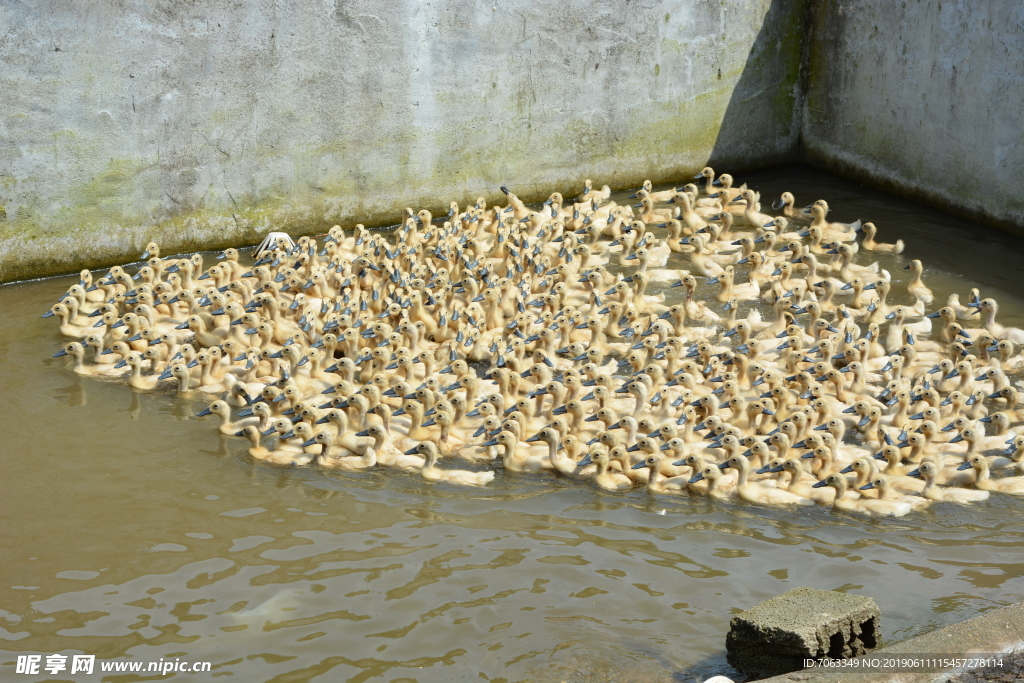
528,336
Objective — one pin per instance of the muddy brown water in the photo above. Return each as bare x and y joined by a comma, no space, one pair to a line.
131,529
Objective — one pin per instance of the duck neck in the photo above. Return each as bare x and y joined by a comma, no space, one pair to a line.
655,477
510,452
742,478
552,450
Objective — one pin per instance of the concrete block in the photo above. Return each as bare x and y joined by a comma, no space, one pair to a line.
775,636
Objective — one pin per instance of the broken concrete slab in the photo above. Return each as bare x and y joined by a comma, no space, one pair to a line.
777,635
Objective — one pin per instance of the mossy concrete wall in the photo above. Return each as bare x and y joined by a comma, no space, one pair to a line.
208,123
922,98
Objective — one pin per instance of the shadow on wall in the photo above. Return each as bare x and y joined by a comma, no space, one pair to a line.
769,93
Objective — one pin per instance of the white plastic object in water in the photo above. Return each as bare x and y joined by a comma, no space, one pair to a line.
270,241
718,679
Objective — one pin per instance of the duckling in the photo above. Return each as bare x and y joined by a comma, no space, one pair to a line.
708,174
755,493
77,353
387,454
701,260
866,506
336,457
989,307
832,232
448,443
137,380
562,465
223,411
519,461
660,196
1015,451
916,287
750,212
748,291
929,471
895,337
656,481
649,214
1006,360
978,443
342,438
620,460
256,450
886,492
432,473
67,325
984,482
609,481
787,203
691,218
715,485
869,243
589,194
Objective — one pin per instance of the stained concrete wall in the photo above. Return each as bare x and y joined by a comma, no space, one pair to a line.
207,123
923,99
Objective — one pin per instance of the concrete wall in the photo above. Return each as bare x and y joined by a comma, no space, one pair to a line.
923,99
207,123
